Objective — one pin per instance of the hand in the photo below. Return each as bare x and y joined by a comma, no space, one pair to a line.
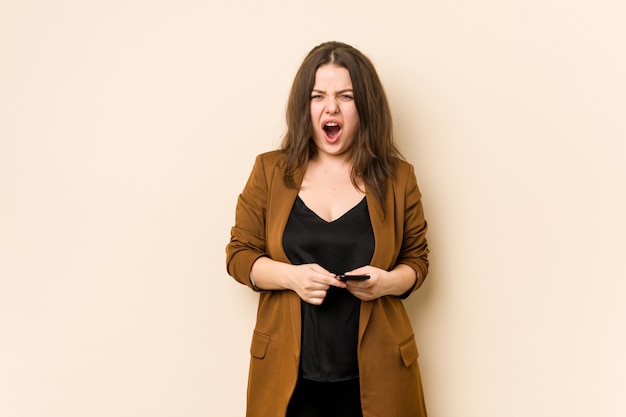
368,289
395,282
311,282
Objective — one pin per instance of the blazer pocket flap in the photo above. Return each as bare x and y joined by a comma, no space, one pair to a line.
259,345
408,351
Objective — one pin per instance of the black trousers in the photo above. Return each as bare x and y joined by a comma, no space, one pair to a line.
325,399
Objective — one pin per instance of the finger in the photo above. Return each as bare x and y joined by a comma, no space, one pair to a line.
362,295
336,282
364,270
328,280
317,291
315,301
360,285
316,297
318,268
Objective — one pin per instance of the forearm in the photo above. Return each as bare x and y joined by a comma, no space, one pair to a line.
401,279
268,274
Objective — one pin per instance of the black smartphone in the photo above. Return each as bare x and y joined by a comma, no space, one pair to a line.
345,278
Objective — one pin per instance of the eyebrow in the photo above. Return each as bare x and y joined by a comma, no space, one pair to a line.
345,90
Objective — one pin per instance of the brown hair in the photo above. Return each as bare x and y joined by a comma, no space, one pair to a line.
373,152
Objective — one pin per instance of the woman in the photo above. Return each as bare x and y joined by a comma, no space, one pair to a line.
336,200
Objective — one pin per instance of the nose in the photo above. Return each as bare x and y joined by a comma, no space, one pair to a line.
332,106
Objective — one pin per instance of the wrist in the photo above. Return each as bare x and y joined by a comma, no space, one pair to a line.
401,279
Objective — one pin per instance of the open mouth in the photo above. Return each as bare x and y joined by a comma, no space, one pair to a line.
332,130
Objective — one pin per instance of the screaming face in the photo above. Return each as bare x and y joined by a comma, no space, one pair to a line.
333,111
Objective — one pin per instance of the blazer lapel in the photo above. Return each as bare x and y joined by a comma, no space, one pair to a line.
279,205
377,218
383,224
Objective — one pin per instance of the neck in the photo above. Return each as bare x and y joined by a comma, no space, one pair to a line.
333,161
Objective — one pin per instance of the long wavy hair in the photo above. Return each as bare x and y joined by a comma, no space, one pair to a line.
373,153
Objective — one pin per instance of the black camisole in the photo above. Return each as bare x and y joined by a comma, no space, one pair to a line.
330,330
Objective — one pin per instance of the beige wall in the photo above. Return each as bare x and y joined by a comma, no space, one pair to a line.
127,129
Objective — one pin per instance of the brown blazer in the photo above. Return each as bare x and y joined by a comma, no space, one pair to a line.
387,352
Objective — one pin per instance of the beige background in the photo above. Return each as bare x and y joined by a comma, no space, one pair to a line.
127,129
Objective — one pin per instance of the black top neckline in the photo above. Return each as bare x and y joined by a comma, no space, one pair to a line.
355,207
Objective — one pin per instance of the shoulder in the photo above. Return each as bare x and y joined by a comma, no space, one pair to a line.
403,166
404,181
271,157
403,171
268,161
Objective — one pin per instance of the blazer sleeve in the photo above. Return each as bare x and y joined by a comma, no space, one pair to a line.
414,250
247,237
